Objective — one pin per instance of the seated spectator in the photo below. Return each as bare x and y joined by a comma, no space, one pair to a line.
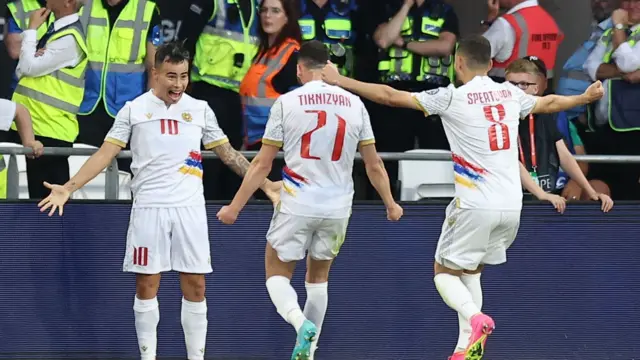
542,148
273,72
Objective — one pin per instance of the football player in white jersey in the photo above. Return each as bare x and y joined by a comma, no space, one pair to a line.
168,226
481,123
320,127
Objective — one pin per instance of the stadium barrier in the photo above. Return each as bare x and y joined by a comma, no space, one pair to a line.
568,292
112,176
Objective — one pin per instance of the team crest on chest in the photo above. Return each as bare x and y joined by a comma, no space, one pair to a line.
148,115
186,117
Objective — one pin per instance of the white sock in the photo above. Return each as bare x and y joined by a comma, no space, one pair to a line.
316,307
472,282
284,297
147,317
456,295
194,325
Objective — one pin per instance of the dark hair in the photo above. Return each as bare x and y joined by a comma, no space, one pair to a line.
173,52
476,50
542,68
313,54
291,29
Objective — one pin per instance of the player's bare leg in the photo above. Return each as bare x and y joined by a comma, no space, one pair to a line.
285,299
460,298
194,314
147,314
316,282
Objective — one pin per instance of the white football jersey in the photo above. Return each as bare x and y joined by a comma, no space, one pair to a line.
481,120
165,143
319,127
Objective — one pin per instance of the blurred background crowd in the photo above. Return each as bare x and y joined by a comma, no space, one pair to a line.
74,89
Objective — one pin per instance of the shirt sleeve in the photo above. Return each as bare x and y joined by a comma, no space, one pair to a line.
594,60
7,114
213,135
60,53
121,129
274,131
527,102
627,58
434,102
502,38
366,133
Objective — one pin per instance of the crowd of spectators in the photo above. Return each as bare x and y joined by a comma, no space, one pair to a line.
245,52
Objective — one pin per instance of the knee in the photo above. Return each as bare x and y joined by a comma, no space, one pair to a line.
193,287
316,278
147,286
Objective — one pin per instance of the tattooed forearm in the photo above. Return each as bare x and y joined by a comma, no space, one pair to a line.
233,159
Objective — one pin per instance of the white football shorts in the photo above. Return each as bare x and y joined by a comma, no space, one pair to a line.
473,237
164,239
292,236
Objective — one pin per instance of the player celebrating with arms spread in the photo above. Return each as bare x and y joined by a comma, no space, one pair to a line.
481,123
168,226
320,128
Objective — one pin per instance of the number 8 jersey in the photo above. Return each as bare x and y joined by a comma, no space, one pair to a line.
481,120
319,127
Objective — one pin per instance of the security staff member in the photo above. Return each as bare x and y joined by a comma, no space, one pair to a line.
122,36
416,41
526,29
19,12
224,36
51,86
332,22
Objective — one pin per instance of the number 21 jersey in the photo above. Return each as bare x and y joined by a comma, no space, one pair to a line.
319,127
481,120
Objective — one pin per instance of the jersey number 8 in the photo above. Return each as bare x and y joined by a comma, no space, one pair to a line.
305,145
498,131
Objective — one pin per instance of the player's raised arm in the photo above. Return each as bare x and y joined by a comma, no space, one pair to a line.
381,94
556,103
116,140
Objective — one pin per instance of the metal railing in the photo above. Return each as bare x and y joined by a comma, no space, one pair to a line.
111,172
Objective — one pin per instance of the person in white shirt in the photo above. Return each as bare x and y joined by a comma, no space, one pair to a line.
168,226
10,112
320,127
481,123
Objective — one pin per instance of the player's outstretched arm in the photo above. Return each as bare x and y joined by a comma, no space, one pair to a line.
379,178
381,94
92,167
555,103
255,176
558,202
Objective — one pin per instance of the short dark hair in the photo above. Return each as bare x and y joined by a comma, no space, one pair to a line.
476,50
173,52
313,54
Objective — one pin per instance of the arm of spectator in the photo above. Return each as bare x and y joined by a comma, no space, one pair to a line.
594,66
572,168
12,38
502,38
24,125
531,186
381,94
194,21
632,77
154,39
387,33
443,46
627,58
60,53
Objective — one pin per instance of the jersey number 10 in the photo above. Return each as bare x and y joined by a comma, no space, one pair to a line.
338,143
498,131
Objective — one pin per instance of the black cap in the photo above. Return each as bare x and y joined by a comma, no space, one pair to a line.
538,63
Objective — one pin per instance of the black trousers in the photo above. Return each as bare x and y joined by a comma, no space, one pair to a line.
220,182
52,169
94,128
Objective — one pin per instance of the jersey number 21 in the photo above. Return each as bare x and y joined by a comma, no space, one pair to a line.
305,145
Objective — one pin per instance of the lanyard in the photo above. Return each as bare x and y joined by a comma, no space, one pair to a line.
532,145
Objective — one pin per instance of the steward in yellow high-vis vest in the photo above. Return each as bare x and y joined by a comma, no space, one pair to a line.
224,52
333,25
51,86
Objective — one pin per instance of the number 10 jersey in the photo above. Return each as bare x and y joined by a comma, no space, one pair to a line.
319,127
481,120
